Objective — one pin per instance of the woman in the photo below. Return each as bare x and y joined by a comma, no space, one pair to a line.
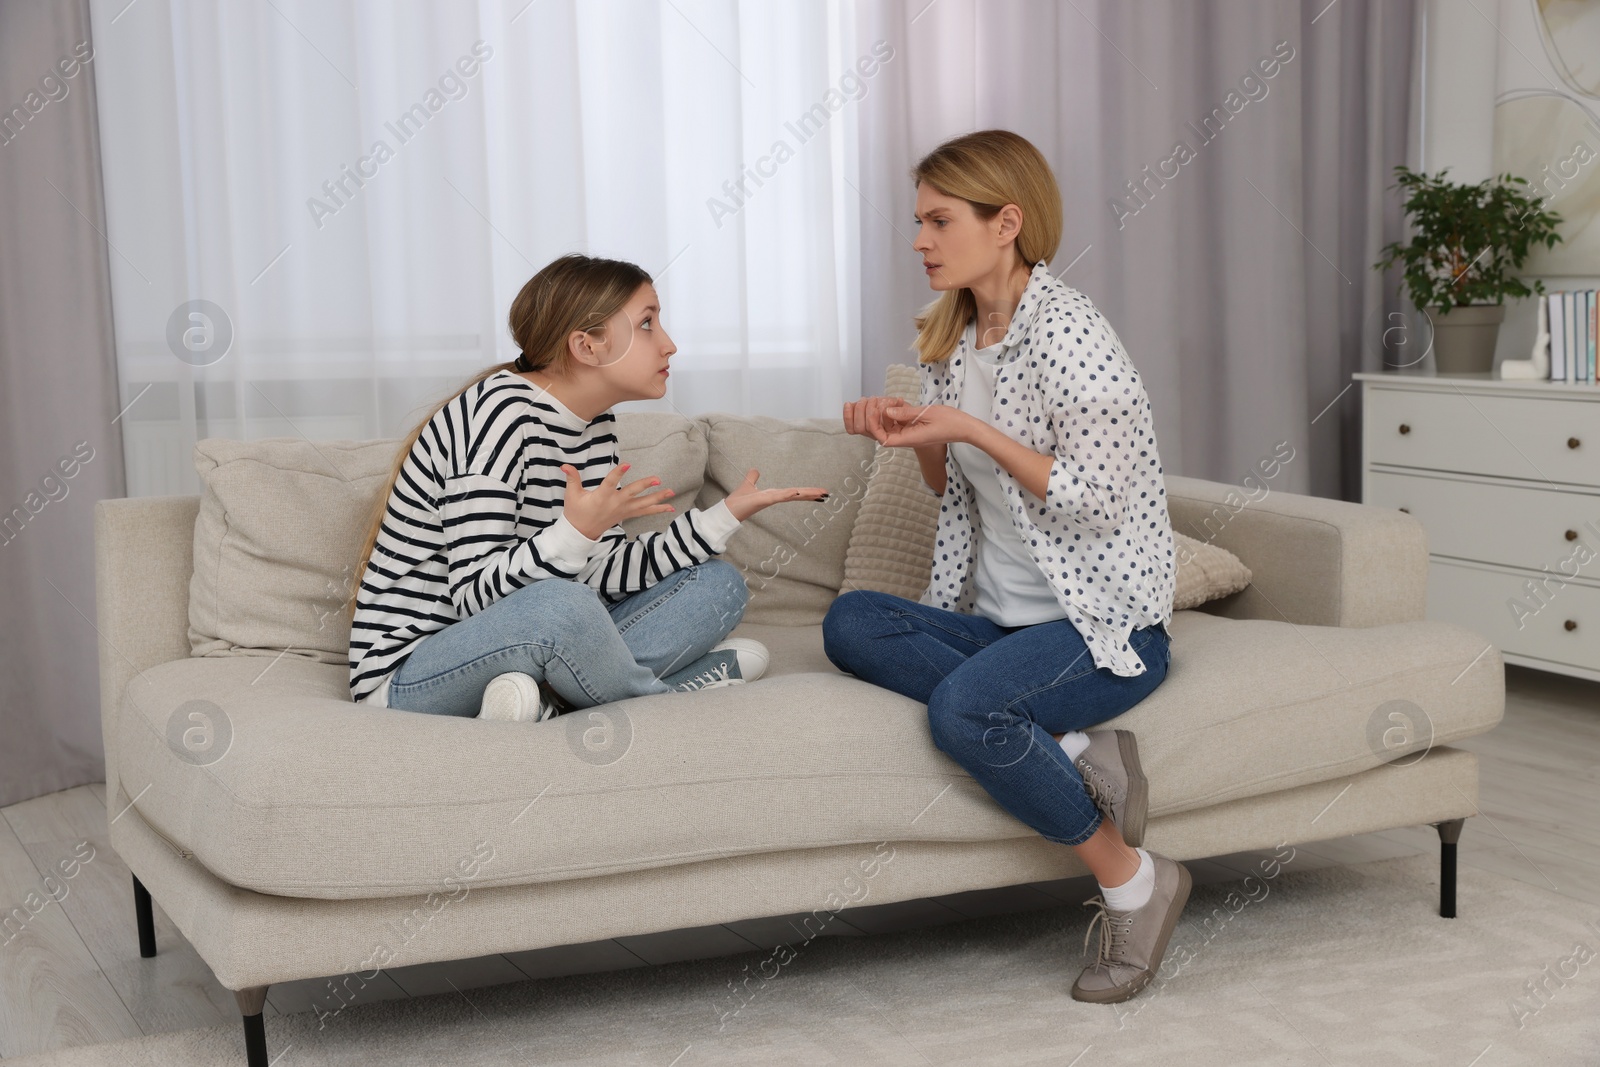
1035,429
497,581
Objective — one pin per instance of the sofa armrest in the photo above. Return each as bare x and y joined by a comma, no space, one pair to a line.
1313,560
143,560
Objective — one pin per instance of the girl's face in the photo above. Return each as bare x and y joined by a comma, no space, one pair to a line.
959,248
633,358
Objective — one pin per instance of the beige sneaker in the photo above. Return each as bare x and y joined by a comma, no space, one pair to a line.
1115,781
1132,943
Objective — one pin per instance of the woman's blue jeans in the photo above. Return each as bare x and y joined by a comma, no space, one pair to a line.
563,633
996,694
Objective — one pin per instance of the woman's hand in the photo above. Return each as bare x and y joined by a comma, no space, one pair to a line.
746,500
928,430
594,511
893,422
906,425
865,416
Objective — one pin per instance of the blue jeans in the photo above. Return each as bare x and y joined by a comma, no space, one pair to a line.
587,651
996,694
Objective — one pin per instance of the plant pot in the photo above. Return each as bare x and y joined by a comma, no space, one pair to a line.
1464,337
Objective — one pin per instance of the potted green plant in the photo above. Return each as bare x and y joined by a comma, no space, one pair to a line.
1467,243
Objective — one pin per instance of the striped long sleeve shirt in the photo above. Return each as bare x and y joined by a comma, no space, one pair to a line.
475,514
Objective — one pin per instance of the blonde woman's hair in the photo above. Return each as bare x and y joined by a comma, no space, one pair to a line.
575,292
988,169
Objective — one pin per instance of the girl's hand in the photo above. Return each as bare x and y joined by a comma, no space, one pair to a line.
746,500
594,511
906,425
865,416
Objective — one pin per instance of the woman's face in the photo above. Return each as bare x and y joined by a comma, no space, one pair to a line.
958,248
634,355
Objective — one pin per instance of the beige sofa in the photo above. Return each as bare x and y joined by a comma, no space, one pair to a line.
290,833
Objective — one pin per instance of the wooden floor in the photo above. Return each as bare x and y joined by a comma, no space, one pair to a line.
73,976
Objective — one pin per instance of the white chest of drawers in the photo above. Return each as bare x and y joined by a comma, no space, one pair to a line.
1505,478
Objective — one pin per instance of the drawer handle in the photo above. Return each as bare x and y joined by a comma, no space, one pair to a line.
1573,442
1406,429
1572,535
1571,624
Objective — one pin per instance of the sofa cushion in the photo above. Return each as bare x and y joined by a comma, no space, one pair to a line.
891,545
282,520
276,544
665,445
791,555
1206,572
385,802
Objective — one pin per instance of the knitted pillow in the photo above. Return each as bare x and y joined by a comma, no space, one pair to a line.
891,545
1205,572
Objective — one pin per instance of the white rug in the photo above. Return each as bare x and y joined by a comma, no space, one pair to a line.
1341,965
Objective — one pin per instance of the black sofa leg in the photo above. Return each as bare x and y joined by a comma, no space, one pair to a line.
147,919
1449,835
251,1001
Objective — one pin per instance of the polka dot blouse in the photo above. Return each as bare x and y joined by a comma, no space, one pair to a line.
1101,535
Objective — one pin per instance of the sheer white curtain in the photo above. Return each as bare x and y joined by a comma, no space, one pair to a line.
357,190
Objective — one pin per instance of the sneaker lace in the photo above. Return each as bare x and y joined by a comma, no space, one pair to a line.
719,673
557,703
1114,929
1094,783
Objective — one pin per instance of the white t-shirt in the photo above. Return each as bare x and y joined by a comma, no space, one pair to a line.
1011,589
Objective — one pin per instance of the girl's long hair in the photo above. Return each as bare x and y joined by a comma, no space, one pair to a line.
989,169
575,292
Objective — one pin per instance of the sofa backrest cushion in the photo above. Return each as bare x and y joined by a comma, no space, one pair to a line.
282,519
791,555
662,445
277,541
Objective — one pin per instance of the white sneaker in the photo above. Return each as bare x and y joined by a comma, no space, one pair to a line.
733,662
515,697
753,656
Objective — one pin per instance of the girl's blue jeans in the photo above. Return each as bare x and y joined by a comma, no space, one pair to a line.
562,632
996,694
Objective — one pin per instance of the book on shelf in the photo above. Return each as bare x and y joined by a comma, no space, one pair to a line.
1574,325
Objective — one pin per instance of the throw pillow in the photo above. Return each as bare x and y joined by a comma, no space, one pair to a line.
891,544
277,542
1205,572
791,554
282,519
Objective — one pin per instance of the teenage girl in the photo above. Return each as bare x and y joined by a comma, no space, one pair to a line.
1034,427
497,580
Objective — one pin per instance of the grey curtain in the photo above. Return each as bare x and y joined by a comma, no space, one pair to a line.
1238,274
58,399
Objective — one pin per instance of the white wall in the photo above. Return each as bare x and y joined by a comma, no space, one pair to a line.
1472,52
